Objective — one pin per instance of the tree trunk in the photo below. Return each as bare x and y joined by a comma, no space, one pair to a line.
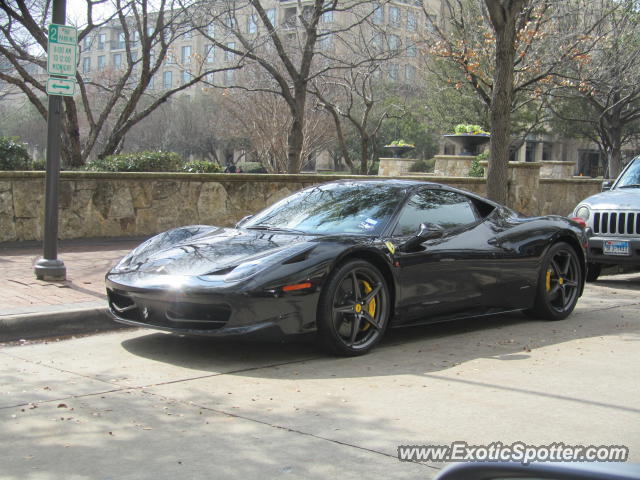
296,132
615,154
503,18
364,145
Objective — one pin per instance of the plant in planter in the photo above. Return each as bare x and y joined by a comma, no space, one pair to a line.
469,137
399,147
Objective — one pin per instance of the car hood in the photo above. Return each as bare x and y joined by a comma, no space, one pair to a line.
212,252
618,199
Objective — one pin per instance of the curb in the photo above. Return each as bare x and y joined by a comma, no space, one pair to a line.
56,324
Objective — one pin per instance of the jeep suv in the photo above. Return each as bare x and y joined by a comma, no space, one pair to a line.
613,222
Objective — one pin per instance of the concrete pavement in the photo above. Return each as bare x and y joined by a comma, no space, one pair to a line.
141,404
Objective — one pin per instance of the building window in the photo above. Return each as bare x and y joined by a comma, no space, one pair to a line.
378,15
102,39
229,56
231,23
187,34
120,40
186,54
101,63
117,61
271,15
325,42
150,85
412,51
252,26
393,72
327,17
86,43
186,76
410,73
210,53
228,77
431,23
167,79
394,42
394,16
412,22
86,65
150,32
211,30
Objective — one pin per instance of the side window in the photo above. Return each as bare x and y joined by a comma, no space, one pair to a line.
447,209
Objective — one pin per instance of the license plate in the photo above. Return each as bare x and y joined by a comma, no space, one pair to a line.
616,247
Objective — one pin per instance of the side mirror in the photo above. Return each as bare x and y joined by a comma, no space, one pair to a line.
428,231
606,185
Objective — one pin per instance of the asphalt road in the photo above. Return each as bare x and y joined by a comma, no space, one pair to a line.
140,404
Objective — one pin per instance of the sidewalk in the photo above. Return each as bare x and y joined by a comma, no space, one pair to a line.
32,308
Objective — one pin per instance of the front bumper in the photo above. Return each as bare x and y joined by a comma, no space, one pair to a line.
596,254
215,311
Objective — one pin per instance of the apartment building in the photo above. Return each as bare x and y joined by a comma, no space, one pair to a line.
394,25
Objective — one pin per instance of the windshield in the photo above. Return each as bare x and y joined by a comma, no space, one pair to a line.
333,208
631,177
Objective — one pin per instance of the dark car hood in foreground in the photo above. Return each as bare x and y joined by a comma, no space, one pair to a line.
618,199
210,250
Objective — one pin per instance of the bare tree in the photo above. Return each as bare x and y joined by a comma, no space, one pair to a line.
508,51
290,50
108,105
262,117
600,91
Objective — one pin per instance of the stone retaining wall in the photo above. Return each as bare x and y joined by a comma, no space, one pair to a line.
126,204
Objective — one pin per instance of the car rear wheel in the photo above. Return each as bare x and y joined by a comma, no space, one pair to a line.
593,271
559,283
353,312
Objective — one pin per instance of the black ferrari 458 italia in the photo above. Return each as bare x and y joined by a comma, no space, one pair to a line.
345,260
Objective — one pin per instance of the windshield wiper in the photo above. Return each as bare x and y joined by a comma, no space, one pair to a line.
630,185
271,228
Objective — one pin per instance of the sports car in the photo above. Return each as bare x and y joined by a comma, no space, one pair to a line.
344,261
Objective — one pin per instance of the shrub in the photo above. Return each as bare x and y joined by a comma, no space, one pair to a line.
252,167
201,166
13,155
476,170
38,164
463,128
138,162
423,165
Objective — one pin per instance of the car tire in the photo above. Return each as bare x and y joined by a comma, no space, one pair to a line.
559,283
593,271
353,311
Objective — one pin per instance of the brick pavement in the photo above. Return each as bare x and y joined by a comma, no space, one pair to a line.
87,261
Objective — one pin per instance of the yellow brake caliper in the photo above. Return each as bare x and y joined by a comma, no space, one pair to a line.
371,308
549,271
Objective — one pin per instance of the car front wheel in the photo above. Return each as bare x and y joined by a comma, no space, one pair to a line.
559,283
354,307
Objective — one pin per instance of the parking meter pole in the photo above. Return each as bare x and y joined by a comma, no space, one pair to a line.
50,267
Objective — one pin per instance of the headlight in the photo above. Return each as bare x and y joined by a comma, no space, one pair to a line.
583,212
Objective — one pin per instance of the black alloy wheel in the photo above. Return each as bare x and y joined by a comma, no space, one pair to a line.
354,309
559,283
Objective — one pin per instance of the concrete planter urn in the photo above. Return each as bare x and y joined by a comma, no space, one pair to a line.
398,150
469,143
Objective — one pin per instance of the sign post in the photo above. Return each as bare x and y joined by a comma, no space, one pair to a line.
62,62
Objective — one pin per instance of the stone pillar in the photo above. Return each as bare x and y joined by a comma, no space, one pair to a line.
524,185
521,154
453,165
395,167
537,155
